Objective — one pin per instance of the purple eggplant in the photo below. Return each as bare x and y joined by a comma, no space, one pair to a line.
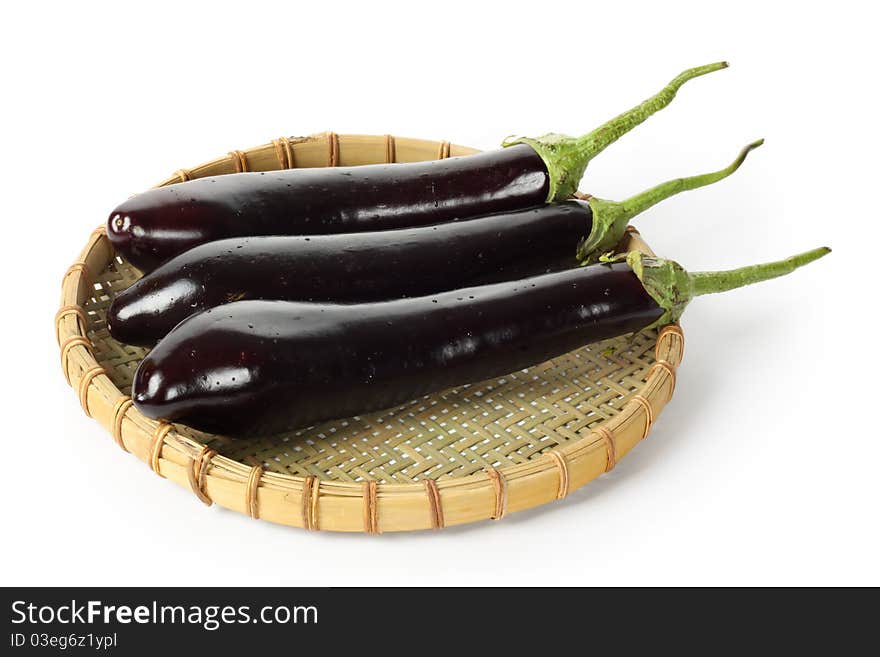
258,367
153,227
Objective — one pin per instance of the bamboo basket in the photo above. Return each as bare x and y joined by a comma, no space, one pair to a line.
470,453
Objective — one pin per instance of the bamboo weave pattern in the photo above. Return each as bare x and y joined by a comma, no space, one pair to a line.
473,452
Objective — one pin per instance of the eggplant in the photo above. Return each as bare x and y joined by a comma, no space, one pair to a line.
259,367
344,268
152,227
380,265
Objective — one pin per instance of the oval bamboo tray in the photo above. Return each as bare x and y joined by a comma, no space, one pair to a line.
471,453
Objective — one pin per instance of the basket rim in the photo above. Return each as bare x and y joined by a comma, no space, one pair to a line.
294,500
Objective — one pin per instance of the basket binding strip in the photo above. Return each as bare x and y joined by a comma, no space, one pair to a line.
471,453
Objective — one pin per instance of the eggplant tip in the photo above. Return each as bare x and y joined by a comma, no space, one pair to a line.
119,229
146,390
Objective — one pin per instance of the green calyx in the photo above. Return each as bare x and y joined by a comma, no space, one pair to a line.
667,283
673,288
610,218
565,162
567,157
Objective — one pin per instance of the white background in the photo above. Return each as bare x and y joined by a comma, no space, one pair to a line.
763,469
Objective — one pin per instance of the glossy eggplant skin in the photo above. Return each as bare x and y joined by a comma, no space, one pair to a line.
152,227
350,267
259,367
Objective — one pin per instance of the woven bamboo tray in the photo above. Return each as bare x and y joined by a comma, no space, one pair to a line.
471,453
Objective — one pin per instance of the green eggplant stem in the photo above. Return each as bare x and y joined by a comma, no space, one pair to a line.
567,157
710,282
599,139
673,288
610,218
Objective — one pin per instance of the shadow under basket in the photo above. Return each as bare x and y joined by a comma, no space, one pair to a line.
469,453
